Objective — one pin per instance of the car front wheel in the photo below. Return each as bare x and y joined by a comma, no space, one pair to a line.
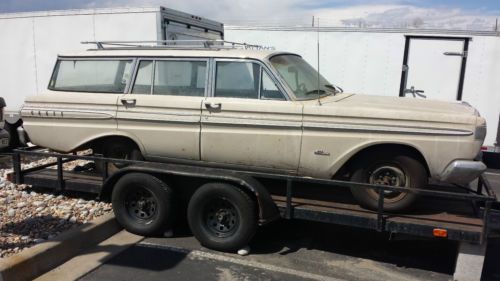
391,170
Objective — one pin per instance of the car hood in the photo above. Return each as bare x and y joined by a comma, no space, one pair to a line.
383,107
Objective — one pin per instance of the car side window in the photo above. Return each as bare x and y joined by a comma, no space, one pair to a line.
237,80
143,79
246,80
101,76
180,78
268,89
173,78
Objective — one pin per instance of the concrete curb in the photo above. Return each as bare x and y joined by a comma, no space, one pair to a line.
43,257
90,259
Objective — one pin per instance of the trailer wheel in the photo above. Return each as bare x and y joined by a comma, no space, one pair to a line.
392,170
143,204
222,216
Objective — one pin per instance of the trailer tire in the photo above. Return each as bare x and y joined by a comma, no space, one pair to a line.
143,204
222,216
389,169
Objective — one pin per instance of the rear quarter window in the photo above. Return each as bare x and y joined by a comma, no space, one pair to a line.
102,76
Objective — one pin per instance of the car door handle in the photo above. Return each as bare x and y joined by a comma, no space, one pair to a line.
128,102
213,105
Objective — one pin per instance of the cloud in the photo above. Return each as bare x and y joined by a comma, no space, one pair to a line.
415,17
248,11
364,13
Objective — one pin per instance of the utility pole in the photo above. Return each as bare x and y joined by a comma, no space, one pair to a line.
313,22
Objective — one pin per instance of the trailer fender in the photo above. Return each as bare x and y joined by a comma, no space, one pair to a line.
268,211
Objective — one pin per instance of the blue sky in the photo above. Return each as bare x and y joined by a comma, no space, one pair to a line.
464,4
487,6
451,14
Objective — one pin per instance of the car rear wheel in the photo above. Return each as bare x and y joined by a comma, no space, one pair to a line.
392,170
118,149
222,216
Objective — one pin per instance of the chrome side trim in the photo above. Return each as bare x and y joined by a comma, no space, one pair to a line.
162,119
66,114
386,129
462,171
166,112
250,122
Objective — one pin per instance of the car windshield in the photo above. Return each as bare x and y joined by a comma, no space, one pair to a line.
301,77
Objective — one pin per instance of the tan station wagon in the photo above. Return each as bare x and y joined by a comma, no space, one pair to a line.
254,110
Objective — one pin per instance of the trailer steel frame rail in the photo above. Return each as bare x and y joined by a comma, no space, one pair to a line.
475,227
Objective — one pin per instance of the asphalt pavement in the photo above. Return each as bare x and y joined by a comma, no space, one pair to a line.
287,250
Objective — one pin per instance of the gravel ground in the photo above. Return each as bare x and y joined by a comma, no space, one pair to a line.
30,216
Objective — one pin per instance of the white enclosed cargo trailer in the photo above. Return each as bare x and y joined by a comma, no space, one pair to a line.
31,41
447,65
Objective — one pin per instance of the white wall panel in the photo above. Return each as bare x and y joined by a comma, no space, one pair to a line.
17,61
123,27
482,81
52,37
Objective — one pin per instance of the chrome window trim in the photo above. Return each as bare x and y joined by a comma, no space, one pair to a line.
153,73
154,59
211,78
278,77
136,71
261,85
132,77
261,74
260,63
92,58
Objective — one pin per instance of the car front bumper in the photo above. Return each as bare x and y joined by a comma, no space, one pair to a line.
462,171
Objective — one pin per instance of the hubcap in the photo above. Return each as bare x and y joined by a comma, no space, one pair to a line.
141,204
221,217
391,176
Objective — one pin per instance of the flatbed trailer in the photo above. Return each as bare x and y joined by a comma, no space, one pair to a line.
468,215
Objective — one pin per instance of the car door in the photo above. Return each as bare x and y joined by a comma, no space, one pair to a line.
162,109
248,120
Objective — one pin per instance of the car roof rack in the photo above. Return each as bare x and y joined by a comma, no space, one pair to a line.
176,45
